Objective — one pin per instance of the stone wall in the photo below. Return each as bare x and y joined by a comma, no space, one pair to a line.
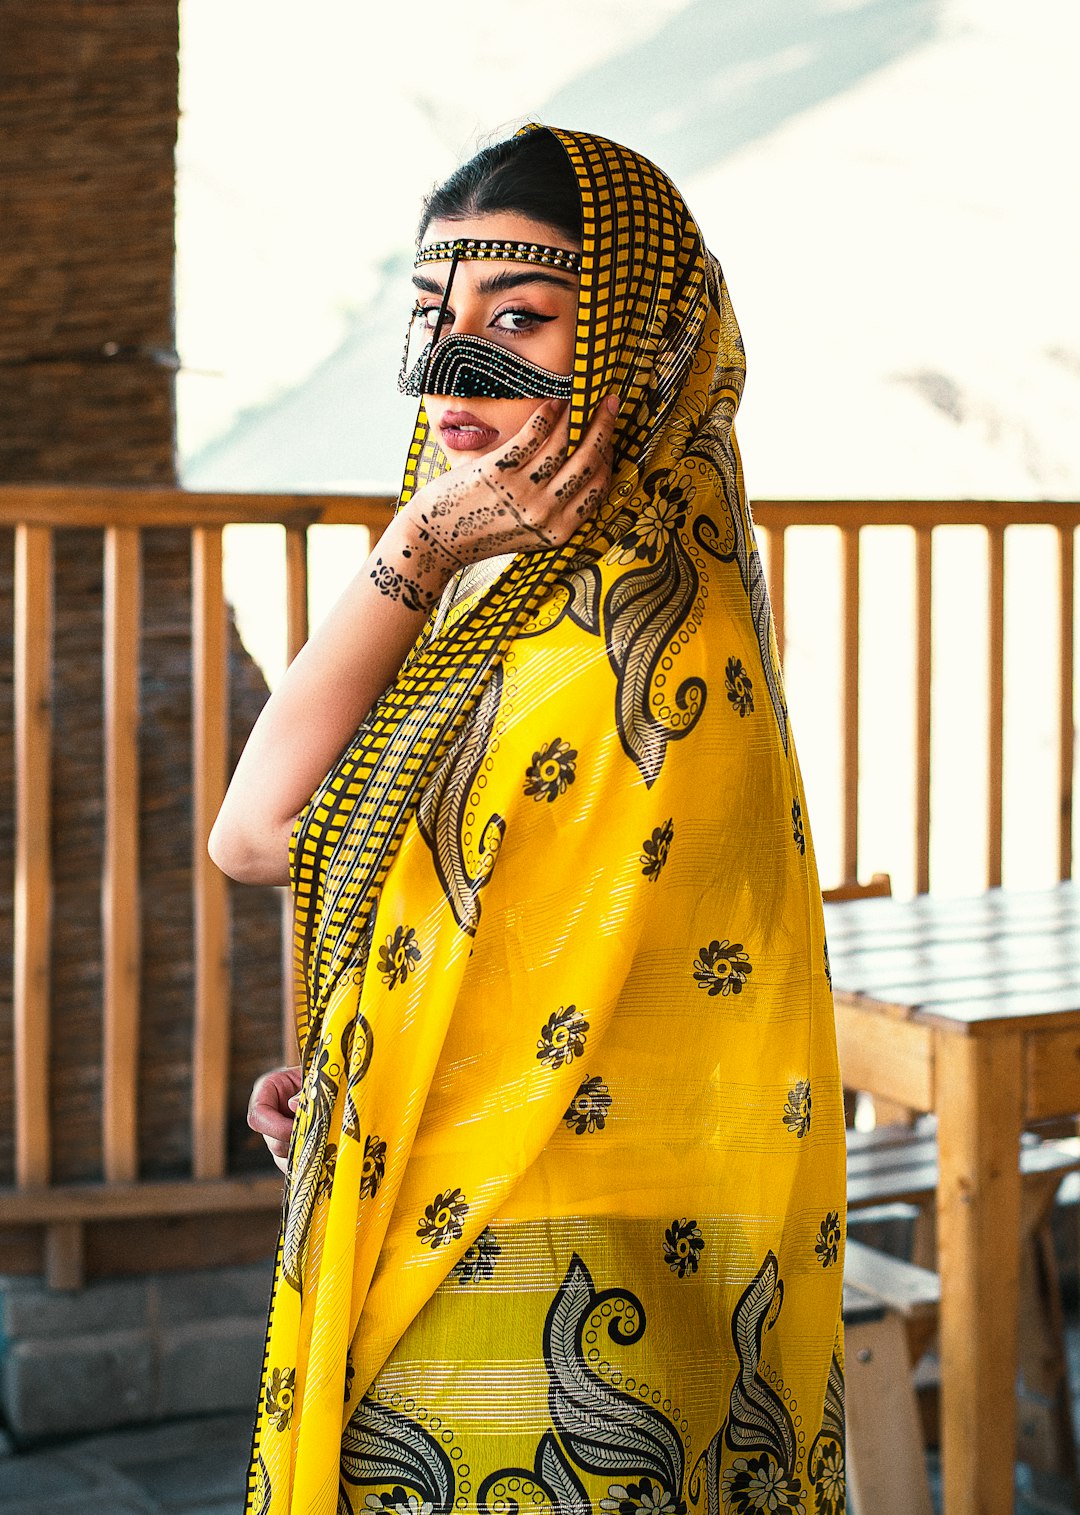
131,1351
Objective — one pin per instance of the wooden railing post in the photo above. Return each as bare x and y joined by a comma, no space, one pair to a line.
296,634
849,662
995,734
120,913
210,729
33,643
923,702
1066,672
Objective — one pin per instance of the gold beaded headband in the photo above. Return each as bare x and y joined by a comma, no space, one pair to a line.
471,251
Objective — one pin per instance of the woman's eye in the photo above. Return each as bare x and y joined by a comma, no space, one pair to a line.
428,315
519,320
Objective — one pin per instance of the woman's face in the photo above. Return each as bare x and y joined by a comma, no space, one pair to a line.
529,310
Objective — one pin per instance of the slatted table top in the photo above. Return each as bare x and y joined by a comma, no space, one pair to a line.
988,958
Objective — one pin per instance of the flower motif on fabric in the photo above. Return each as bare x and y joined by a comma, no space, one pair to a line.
374,1166
279,1397
562,1038
740,690
661,515
350,1374
655,849
797,1109
753,1484
830,1482
797,826
722,967
398,956
326,1177
828,968
588,1110
827,1245
551,771
443,1220
683,1246
399,1502
645,1498
478,1259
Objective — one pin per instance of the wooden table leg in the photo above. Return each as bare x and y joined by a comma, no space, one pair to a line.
978,1083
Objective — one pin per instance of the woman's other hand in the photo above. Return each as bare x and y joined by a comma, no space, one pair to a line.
272,1110
525,497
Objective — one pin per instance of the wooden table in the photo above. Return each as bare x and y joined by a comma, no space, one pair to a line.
969,1008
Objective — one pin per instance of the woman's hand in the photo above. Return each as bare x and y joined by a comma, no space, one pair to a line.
272,1110
525,497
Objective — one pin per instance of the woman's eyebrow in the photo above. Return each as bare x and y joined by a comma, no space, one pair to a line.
498,284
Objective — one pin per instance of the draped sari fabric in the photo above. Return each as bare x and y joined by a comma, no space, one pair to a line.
563,1225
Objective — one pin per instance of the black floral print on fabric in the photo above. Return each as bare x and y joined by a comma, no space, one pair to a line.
644,1498
350,1374
562,1038
279,1397
655,849
722,967
398,956
588,1110
551,771
828,969
740,689
797,827
683,1246
478,1260
827,1245
443,1220
399,1502
753,1485
663,513
374,1166
797,1109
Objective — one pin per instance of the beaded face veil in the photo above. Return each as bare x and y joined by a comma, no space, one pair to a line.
467,366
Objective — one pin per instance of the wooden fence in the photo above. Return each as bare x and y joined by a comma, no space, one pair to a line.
62,1212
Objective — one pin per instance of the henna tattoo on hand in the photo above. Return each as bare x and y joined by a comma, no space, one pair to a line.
544,470
395,586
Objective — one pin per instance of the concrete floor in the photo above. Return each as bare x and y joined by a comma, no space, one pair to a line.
196,1467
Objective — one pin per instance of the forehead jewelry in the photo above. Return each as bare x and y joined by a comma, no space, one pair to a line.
480,249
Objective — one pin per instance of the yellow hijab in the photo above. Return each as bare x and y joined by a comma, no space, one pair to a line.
563,1221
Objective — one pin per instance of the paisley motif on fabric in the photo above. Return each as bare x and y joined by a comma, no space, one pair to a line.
381,1446
309,1141
643,612
602,1429
357,1050
442,810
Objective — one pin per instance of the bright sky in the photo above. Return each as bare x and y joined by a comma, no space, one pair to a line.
890,185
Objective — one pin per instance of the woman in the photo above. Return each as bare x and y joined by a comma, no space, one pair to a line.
563,1213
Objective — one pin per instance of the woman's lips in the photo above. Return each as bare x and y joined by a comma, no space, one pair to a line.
464,432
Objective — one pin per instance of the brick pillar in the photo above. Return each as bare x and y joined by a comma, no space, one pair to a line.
88,112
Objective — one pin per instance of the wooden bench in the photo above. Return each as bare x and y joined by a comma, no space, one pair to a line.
899,1164
890,1318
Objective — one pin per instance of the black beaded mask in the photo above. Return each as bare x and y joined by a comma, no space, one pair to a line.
469,367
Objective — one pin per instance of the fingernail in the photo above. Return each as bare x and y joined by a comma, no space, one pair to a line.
557,407
612,403
294,1101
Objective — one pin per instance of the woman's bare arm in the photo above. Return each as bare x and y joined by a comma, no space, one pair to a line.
522,498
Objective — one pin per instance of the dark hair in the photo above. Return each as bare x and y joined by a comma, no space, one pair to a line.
529,174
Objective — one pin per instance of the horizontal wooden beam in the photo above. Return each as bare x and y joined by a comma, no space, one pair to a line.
62,1203
98,507
101,506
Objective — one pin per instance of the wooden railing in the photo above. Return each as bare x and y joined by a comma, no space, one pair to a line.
852,518
124,515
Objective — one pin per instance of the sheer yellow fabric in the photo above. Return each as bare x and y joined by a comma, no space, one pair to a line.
563,1225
